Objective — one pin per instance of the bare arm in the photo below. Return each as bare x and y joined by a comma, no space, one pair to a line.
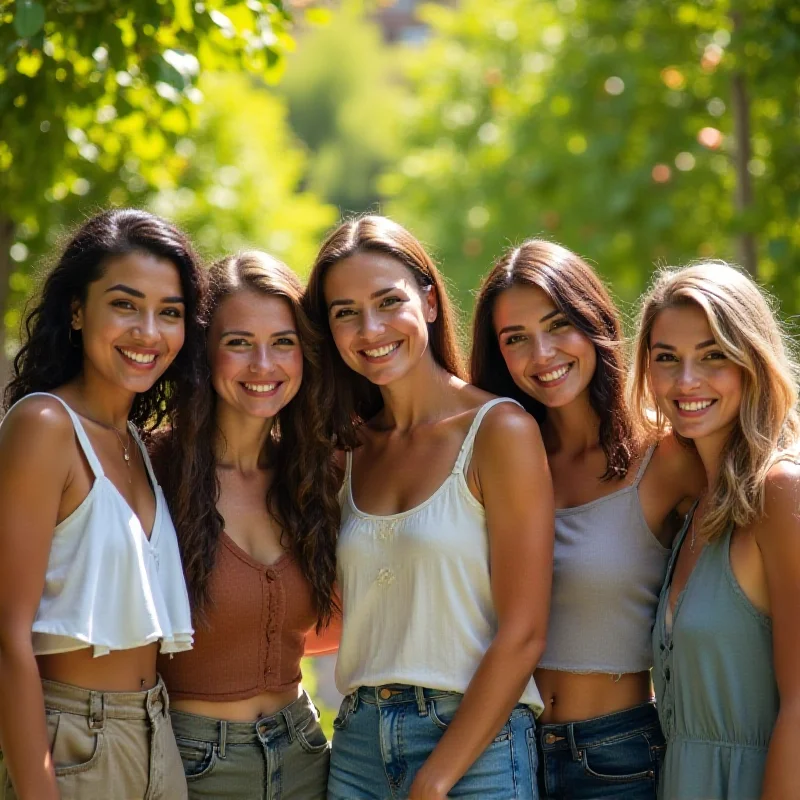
514,480
778,538
35,449
326,642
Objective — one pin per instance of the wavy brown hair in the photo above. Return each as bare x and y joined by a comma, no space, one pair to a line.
351,397
580,295
748,332
302,496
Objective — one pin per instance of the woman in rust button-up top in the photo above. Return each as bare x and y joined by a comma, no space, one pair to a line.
254,503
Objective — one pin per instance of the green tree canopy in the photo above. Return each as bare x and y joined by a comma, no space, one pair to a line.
607,125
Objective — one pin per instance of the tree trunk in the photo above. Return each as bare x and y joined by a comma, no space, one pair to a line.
740,106
6,268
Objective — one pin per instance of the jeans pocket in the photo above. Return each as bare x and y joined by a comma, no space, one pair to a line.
442,710
311,736
75,747
621,761
198,758
345,712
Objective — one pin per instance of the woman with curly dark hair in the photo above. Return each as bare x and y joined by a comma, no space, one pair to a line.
547,333
91,586
254,502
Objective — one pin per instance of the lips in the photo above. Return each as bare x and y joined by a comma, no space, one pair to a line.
553,376
380,352
693,406
138,358
259,389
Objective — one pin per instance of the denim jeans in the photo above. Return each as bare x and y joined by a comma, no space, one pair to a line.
384,734
281,757
617,755
109,745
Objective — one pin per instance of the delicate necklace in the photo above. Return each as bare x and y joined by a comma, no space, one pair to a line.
125,447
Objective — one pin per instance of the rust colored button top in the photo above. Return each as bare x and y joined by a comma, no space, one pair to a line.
385,694
254,634
550,738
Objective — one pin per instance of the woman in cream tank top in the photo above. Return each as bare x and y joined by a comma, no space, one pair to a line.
91,585
446,542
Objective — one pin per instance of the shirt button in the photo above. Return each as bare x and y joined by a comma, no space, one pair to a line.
270,575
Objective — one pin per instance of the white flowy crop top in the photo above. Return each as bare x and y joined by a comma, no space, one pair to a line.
108,586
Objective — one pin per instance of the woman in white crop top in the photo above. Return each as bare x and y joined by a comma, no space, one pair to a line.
444,555
547,333
91,586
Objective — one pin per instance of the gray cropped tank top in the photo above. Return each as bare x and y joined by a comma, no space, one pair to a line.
608,569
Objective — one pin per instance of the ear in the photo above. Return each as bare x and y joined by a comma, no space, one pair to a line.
77,315
431,304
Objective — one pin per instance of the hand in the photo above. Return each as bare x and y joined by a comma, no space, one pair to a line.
427,787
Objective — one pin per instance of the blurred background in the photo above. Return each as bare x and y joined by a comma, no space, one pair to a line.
637,133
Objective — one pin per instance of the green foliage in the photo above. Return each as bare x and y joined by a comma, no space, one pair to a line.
238,182
584,121
346,104
94,94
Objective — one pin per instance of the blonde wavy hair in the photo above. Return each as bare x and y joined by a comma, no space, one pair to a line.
748,332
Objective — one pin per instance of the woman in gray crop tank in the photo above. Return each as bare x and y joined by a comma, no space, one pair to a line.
548,334
726,641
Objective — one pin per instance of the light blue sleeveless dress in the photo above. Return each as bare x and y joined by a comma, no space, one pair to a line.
716,692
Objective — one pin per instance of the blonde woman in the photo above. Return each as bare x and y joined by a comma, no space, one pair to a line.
712,361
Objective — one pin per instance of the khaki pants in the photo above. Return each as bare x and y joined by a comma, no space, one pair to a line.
282,757
110,745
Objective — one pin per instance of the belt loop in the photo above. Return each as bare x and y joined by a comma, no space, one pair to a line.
97,711
576,754
354,701
223,737
422,706
287,716
164,696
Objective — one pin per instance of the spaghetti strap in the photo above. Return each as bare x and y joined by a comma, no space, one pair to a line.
145,455
80,433
344,490
466,448
643,466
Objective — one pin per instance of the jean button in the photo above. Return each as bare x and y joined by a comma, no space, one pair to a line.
550,738
385,694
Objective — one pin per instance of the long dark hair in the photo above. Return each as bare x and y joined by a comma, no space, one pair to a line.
48,358
583,299
302,495
351,397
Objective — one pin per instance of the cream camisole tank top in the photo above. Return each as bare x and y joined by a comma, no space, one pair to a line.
415,587
107,585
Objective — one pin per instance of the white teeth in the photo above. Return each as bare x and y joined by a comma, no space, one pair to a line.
139,358
555,374
695,405
260,387
382,351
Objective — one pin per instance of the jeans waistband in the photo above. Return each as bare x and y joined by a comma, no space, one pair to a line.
99,706
393,693
222,732
597,730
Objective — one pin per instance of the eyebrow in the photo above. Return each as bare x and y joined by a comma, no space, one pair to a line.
510,329
287,332
554,313
121,287
373,296
664,346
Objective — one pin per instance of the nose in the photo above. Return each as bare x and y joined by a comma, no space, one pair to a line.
542,349
147,329
261,360
688,377
371,324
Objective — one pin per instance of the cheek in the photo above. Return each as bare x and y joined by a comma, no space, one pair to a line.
515,362
224,365
294,364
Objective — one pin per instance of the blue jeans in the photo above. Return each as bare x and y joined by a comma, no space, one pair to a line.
384,734
617,755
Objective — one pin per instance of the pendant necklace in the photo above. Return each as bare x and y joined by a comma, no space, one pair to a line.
125,447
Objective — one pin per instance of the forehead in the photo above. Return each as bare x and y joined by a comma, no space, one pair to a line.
254,312
141,271
685,324
363,273
522,305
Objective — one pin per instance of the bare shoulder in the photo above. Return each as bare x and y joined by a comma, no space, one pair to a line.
505,428
37,419
782,490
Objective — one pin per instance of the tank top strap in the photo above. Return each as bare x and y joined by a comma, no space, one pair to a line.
643,466
145,455
344,490
465,453
80,433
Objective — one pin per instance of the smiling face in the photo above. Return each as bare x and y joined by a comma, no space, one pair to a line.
378,315
132,321
255,354
695,385
547,357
